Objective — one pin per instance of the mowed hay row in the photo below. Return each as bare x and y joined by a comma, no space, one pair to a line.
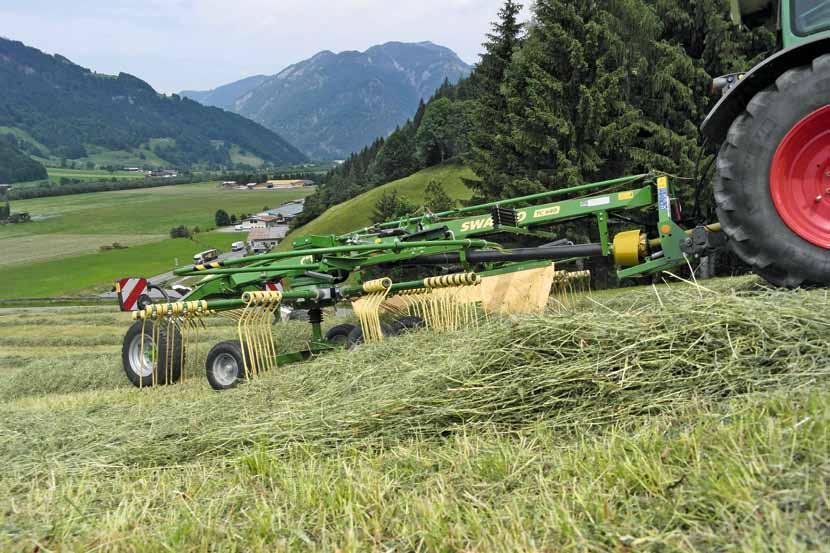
602,365
652,419
50,355
751,476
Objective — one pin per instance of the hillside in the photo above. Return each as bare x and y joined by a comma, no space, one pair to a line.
356,212
334,104
16,165
661,419
66,111
224,96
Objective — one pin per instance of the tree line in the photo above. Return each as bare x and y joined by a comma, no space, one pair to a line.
15,164
583,91
85,187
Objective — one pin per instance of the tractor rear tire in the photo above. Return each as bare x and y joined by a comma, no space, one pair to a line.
138,364
225,365
772,187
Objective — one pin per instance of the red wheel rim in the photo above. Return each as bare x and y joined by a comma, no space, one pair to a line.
800,178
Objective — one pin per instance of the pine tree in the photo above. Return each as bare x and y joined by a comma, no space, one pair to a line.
603,89
396,159
390,206
444,131
436,198
489,148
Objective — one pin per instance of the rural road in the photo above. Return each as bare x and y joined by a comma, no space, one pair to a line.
158,280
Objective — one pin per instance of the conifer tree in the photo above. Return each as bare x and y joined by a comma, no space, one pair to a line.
489,147
603,89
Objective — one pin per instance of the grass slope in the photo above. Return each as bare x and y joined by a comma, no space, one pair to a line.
665,419
36,256
357,212
55,174
95,273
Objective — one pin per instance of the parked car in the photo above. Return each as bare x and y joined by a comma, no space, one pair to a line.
237,246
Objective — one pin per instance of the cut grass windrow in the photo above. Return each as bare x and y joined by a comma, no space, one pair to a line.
696,421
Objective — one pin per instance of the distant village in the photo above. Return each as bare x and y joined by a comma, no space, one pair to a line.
269,228
154,173
268,185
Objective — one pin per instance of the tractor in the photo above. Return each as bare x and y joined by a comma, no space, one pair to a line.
772,127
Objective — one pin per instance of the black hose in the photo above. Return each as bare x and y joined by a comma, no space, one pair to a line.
519,254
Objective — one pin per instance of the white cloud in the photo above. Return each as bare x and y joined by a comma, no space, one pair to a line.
180,44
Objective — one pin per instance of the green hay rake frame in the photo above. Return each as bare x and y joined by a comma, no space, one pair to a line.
321,271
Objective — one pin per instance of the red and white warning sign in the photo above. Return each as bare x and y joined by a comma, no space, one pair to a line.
273,286
129,290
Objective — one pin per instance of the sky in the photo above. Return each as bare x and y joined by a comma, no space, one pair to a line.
200,44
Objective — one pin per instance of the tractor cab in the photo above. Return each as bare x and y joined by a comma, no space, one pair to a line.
803,20
796,21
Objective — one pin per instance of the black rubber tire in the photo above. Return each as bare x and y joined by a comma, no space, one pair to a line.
356,335
408,323
233,349
174,360
339,334
756,232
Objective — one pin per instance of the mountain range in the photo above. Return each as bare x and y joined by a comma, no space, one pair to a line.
331,105
51,108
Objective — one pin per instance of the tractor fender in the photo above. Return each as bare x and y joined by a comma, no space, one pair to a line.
730,106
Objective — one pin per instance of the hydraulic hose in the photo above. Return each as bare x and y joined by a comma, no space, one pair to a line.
519,254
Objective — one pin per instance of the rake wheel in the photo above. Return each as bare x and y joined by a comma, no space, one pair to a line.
225,365
166,356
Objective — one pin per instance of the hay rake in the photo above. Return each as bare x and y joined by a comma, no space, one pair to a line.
473,277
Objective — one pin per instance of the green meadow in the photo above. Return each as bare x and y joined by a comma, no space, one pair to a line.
357,212
56,173
58,253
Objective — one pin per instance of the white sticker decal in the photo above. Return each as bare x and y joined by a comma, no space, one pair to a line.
594,202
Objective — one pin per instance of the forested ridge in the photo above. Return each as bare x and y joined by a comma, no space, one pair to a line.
66,108
16,165
584,91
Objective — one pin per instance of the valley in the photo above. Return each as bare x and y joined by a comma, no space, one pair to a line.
60,254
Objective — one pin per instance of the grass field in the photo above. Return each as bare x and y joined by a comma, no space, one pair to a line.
665,419
55,174
58,254
357,212
95,273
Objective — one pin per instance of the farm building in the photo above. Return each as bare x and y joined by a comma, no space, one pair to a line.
269,185
288,210
294,183
262,240
266,220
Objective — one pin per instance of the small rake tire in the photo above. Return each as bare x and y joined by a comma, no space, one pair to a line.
748,183
225,365
356,335
339,335
407,324
138,364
